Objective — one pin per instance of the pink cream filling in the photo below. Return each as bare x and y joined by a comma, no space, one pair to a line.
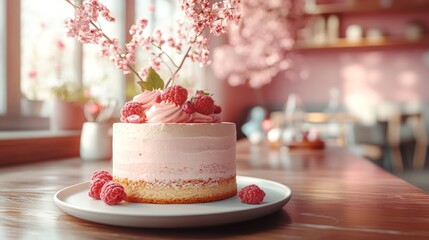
191,158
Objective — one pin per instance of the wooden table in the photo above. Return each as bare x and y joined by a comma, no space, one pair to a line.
335,196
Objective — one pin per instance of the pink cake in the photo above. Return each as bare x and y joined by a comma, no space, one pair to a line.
171,155
175,163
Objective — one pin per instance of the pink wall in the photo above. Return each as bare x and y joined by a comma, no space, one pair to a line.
365,77
384,74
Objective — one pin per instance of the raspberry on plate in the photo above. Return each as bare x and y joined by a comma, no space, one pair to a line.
204,104
175,94
102,174
112,193
95,187
251,194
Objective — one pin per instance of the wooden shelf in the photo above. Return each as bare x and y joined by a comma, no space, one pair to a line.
344,43
405,6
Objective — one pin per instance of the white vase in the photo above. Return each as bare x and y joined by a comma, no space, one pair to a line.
96,141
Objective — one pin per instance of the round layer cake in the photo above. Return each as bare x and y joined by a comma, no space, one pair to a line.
175,162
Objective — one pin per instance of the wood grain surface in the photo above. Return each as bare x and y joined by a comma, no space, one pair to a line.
335,196
29,147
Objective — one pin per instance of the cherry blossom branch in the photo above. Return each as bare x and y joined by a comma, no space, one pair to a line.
164,53
169,68
111,42
119,54
71,3
199,16
171,79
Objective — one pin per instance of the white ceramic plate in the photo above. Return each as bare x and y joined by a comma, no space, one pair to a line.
74,200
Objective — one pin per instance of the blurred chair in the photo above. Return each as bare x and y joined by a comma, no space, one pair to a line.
391,135
395,126
369,141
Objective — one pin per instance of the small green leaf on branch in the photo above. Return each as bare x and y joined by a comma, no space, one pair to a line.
153,81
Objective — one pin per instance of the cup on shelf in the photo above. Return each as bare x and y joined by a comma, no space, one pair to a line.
374,35
414,31
354,33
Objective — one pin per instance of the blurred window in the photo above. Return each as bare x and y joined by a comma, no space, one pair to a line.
47,55
47,58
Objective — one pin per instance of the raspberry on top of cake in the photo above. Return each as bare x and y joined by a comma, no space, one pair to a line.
171,105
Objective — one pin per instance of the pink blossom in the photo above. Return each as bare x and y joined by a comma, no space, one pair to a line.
262,44
198,17
151,7
157,38
144,71
93,107
32,74
155,62
82,26
60,44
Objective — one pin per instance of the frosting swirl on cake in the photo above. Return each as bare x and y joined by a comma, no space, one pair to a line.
148,98
165,112
171,105
201,118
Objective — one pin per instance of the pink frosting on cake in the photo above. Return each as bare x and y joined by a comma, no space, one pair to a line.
201,118
167,152
147,98
167,113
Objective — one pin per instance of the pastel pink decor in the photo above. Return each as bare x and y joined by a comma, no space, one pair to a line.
366,77
260,47
391,75
66,115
